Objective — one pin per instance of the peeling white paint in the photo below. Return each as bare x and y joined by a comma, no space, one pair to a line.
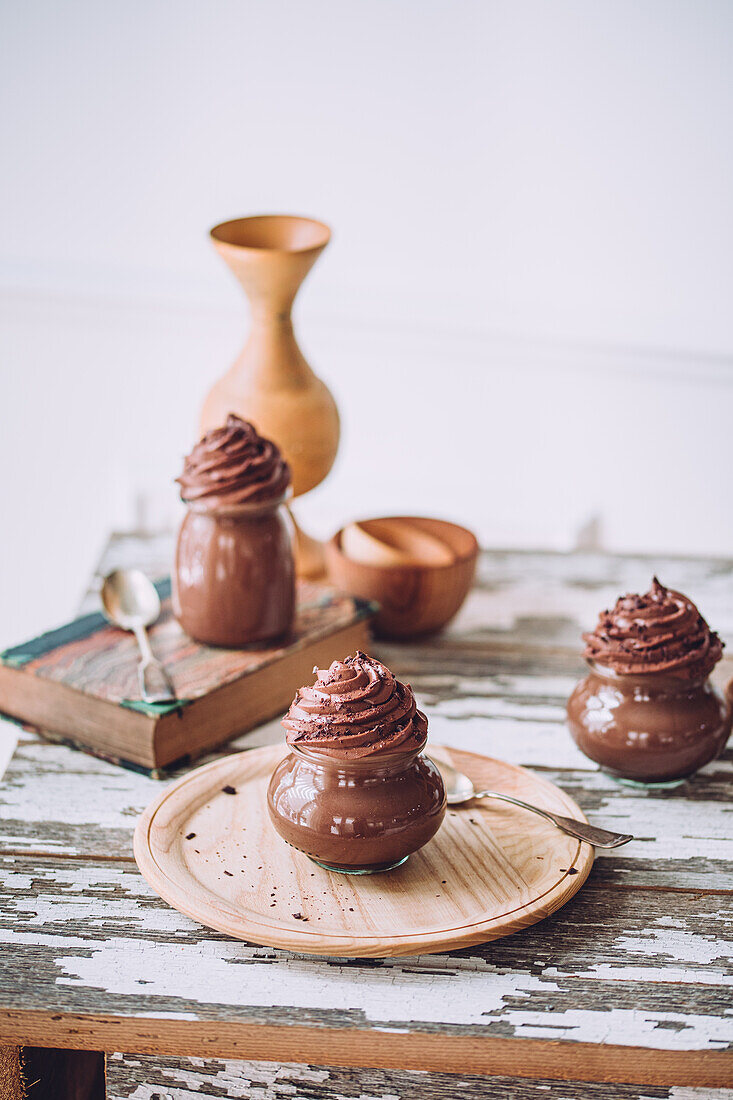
626,1027
682,945
679,976
527,743
383,994
679,1092
234,1079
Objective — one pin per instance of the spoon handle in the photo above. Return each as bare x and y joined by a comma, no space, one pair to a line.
155,684
599,838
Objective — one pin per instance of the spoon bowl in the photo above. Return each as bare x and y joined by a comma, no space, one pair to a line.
129,597
458,787
129,600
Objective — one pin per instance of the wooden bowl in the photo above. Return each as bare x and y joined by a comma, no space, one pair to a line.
416,596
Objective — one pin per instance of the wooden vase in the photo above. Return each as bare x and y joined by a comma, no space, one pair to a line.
270,383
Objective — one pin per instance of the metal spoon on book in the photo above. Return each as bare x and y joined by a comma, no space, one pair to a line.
129,600
459,788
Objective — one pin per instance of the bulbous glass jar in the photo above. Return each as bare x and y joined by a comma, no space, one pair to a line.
356,816
652,728
234,575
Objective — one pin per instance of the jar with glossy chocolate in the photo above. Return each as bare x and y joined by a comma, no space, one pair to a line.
234,576
356,816
653,728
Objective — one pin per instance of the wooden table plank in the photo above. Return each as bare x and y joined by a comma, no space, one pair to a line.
530,598
546,599
140,1077
387,1049
609,963
55,801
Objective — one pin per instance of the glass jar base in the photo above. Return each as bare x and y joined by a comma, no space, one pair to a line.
375,870
639,784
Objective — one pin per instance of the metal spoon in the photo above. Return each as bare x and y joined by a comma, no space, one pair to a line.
459,788
129,600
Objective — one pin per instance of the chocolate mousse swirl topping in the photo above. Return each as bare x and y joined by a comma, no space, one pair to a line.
233,465
661,631
355,708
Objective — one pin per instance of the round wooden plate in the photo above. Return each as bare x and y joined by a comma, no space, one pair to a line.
491,870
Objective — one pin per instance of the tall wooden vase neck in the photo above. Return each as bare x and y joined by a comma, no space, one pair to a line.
270,280
271,357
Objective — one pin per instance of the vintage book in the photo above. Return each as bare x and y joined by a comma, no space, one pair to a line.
79,683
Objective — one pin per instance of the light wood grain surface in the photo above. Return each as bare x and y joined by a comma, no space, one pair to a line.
630,982
206,846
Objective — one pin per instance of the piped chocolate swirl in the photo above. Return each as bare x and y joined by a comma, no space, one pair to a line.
355,708
233,465
661,631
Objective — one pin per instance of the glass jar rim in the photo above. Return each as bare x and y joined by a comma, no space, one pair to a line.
681,675
246,508
376,761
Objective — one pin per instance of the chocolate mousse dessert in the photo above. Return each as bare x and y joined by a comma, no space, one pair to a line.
234,576
647,712
356,793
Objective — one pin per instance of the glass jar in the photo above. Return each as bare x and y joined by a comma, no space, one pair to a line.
234,575
356,816
652,729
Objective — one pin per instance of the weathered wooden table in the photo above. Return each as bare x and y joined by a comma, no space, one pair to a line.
629,983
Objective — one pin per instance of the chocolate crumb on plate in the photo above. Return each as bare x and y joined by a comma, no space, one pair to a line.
229,789
299,916
190,836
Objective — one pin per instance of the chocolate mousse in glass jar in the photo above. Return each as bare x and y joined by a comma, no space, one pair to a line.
647,712
234,575
356,793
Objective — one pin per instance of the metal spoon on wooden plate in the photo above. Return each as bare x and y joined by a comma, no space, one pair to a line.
459,788
129,600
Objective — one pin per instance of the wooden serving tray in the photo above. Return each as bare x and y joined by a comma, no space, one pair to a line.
491,869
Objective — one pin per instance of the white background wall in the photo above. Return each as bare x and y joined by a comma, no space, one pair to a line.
525,313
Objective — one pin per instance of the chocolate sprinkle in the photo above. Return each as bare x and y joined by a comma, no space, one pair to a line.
229,790
659,631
